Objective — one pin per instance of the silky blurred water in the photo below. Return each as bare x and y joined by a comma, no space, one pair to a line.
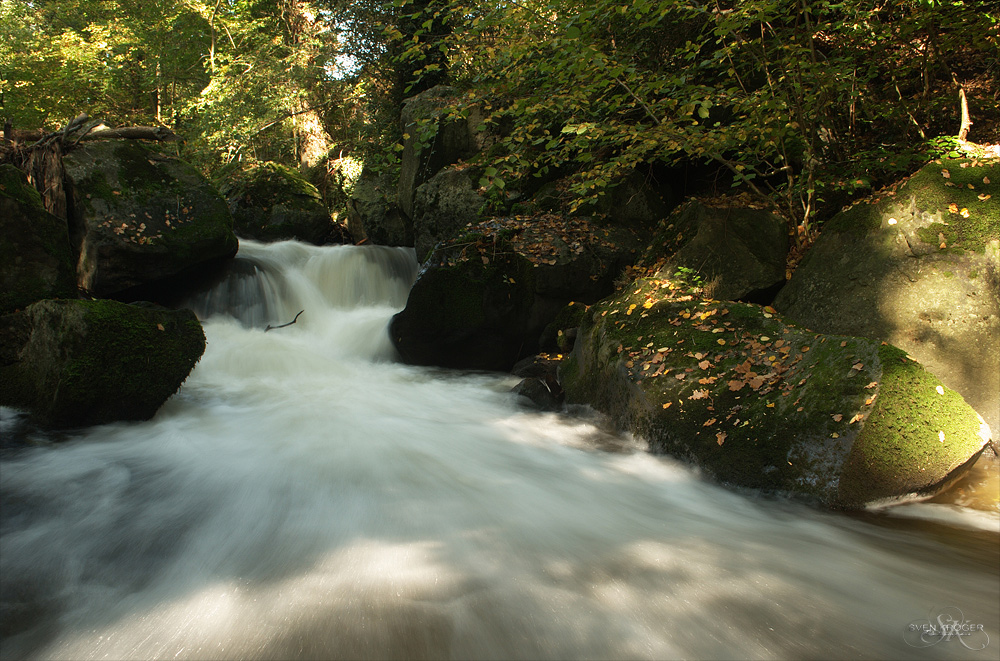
305,496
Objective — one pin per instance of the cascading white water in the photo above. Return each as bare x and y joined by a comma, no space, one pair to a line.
304,496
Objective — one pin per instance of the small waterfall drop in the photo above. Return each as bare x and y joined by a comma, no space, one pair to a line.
305,496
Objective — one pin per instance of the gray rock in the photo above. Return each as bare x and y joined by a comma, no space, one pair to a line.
879,271
436,139
374,215
443,207
737,251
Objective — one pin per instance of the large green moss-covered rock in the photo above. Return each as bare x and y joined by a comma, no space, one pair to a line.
35,259
757,403
917,266
138,217
272,202
75,363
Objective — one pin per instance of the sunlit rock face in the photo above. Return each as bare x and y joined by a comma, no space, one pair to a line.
755,402
918,266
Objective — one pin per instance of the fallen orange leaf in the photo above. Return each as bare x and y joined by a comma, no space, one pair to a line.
837,417
720,438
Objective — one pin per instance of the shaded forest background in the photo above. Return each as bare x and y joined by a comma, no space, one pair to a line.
802,103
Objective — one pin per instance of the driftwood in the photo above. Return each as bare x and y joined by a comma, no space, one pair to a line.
270,327
84,128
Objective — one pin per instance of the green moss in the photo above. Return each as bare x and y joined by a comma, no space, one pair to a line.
929,192
14,185
914,431
90,362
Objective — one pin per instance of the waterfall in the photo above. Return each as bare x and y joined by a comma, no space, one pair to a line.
304,495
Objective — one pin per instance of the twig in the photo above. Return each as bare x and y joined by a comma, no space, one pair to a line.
270,327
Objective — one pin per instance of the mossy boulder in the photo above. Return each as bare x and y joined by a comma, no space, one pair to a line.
917,265
138,217
76,363
443,206
272,202
35,258
434,137
737,251
484,298
373,212
754,402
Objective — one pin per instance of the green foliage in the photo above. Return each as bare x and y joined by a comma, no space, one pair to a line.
798,100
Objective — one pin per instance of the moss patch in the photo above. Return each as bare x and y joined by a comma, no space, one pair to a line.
918,433
90,362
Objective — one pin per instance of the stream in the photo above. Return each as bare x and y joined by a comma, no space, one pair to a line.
306,496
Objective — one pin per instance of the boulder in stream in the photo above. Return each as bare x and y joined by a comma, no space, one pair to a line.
484,298
272,202
755,402
918,266
138,217
35,258
74,363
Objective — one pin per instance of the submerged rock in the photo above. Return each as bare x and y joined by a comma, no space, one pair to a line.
919,267
138,217
35,259
757,403
272,202
76,363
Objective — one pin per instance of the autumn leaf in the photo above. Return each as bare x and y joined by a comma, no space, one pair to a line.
720,438
984,197
699,394
756,382
680,376
159,327
952,208
844,343
709,422
770,405
868,402
857,366
704,364
964,213
871,385
736,385
986,180
667,405
945,174
804,349
837,417
857,416
721,341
